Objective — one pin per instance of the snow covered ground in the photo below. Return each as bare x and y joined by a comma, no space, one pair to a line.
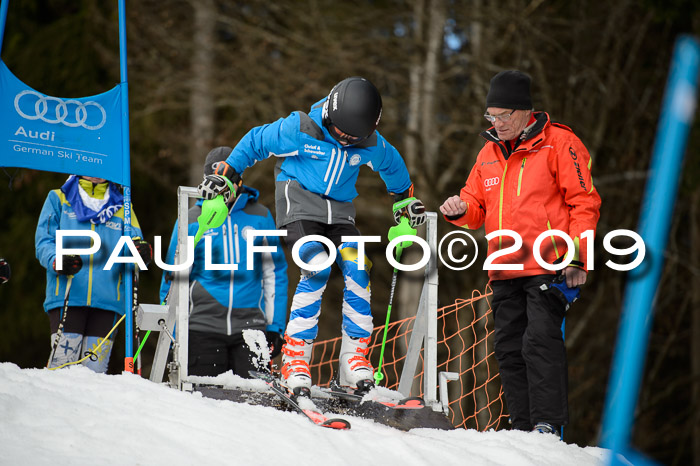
74,416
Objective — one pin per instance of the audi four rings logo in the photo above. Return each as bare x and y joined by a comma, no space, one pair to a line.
491,181
63,111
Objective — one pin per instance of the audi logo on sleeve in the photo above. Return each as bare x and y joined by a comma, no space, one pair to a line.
31,105
489,182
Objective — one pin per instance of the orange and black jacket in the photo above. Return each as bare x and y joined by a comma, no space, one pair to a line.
544,183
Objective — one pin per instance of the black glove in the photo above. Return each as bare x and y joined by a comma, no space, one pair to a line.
71,265
275,340
4,271
224,169
145,250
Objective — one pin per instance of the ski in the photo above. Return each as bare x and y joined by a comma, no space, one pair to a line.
413,402
314,415
403,413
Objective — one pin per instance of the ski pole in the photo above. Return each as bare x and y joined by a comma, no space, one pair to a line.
135,310
138,351
59,332
378,376
403,228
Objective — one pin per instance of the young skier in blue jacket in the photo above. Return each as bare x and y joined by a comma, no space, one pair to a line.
224,303
95,296
319,158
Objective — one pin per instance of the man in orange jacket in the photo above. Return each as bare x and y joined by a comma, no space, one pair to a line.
531,177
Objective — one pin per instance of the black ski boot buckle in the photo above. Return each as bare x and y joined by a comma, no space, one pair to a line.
301,391
364,386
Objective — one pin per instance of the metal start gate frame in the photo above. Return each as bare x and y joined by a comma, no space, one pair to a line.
166,318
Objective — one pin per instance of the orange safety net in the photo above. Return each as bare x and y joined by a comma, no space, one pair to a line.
464,346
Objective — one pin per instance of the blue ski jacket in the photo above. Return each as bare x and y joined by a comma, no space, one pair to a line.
230,301
92,286
321,165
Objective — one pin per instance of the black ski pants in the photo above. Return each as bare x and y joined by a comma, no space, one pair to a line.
529,347
211,354
87,321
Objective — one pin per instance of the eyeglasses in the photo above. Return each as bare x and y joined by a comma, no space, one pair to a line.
344,136
493,118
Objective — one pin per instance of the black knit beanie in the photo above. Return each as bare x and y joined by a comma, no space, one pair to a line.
510,89
218,154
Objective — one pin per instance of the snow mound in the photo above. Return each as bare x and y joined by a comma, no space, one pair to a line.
74,416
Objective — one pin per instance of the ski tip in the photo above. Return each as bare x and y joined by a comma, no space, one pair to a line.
414,402
338,424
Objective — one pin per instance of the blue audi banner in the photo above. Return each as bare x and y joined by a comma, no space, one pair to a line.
81,136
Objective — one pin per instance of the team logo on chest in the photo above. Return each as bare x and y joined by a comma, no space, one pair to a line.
490,182
355,159
314,150
246,232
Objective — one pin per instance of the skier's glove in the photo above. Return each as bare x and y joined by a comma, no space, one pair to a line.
213,185
145,250
411,208
224,169
216,183
559,293
275,341
4,271
71,265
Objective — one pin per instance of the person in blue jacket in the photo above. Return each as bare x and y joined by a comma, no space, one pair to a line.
95,296
224,303
319,158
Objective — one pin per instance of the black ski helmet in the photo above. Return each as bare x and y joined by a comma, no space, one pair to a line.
354,106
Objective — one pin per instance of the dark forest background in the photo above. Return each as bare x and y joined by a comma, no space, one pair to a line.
203,72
